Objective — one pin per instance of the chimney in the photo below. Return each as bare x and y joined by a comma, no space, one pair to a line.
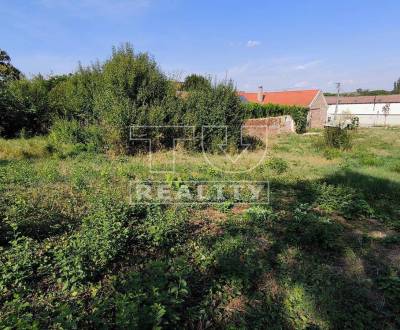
260,94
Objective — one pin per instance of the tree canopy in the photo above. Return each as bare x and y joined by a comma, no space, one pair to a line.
195,82
7,70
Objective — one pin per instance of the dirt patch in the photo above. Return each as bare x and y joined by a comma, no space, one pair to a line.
236,305
377,234
240,209
208,221
206,227
269,285
212,214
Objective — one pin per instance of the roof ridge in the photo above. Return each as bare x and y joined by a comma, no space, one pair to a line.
284,91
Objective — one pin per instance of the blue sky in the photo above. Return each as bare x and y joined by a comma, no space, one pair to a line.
284,44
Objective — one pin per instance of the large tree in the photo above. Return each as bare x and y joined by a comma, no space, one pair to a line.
196,82
7,70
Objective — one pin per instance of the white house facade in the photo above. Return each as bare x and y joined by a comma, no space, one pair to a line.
382,110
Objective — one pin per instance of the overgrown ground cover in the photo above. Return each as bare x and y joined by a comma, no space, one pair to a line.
324,254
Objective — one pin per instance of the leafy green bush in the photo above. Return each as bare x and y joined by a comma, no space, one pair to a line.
96,106
337,137
299,114
17,313
132,85
100,240
344,200
66,132
310,230
152,298
260,215
235,256
215,112
72,96
391,286
278,165
24,106
196,82
69,137
164,228
37,217
18,265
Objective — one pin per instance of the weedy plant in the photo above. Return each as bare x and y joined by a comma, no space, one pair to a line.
337,137
278,165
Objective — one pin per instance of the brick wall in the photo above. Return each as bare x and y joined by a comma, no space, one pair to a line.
262,127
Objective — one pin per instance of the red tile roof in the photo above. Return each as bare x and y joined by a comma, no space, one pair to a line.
301,98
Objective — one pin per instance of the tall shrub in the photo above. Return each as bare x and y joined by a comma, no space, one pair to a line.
212,109
131,87
26,106
73,96
196,82
337,137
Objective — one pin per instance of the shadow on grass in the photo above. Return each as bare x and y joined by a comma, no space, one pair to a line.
4,162
294,268
317,277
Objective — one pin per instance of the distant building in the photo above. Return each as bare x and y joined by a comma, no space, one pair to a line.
378,110
311,99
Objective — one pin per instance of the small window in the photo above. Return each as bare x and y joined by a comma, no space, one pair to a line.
329,119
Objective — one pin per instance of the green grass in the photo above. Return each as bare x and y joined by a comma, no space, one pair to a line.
324,254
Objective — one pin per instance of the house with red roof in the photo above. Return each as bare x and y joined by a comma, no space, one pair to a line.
313,99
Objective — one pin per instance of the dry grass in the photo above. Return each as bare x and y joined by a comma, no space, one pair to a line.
37,147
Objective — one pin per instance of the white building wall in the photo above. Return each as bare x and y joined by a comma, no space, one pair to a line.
369,114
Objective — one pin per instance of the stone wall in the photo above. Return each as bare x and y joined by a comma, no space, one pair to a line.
262,127
317,118
318,112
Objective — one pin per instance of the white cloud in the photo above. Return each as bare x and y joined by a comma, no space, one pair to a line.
301,84
281,74
253,43
307,65
235,44
278,74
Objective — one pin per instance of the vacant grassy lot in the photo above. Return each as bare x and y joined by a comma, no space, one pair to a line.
325,254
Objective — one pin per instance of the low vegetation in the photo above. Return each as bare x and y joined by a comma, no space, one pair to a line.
75,252
324,254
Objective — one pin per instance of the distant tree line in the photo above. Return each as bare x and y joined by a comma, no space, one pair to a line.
368,92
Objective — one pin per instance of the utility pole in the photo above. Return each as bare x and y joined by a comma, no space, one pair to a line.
337,102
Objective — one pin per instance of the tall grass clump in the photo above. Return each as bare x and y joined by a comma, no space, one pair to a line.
22,148
67,134
337,137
